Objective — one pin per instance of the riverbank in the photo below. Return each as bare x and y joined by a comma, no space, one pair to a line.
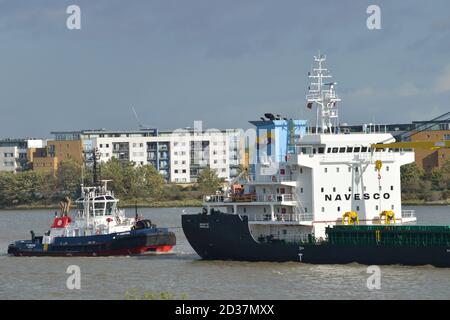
123,204
426,203
140,203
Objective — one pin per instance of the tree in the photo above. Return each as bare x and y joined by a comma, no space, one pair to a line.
129,181
446,174
68,177
208,181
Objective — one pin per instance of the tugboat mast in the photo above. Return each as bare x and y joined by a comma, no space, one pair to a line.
324,96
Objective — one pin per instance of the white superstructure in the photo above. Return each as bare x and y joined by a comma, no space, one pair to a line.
328,177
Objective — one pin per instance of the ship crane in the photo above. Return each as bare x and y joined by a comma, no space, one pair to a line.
429,144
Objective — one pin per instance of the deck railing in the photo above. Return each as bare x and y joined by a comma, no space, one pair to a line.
250,198
408,213
267,178
285,217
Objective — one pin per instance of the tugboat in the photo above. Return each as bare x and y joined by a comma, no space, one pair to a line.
99,228
317,195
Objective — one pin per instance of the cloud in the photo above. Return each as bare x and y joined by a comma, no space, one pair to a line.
442,84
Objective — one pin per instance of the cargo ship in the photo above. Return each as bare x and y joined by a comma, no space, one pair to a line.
317,194
99,228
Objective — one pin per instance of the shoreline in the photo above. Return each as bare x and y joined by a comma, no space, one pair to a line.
124,204
127,204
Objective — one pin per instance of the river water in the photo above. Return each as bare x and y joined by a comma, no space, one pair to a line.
182,273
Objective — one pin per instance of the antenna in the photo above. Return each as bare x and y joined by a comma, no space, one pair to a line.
323,95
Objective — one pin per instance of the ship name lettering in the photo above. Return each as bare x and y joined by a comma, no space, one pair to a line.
356,196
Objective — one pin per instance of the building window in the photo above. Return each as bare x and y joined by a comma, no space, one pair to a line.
349,169
184,171
357,208
101,145
392,207
326,170
323,209
245,210
301,170
176,171
337,169
387,168
282,171
301,190
376,208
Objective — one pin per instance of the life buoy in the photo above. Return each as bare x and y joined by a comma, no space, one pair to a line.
61,222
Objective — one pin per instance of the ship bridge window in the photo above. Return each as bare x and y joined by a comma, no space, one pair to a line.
306,150
328,150
349,149
109,208
99,208
342,150
321,150
356,149
364,149
335,150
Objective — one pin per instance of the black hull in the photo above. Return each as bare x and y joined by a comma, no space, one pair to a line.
126,243
227,237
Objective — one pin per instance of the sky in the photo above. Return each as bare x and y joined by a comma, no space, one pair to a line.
222,62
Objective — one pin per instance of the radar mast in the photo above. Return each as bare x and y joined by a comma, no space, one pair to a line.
322,93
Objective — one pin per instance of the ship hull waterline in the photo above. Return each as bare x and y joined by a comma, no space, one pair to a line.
228,237
116,244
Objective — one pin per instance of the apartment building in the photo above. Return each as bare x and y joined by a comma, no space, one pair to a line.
179,155
15,154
